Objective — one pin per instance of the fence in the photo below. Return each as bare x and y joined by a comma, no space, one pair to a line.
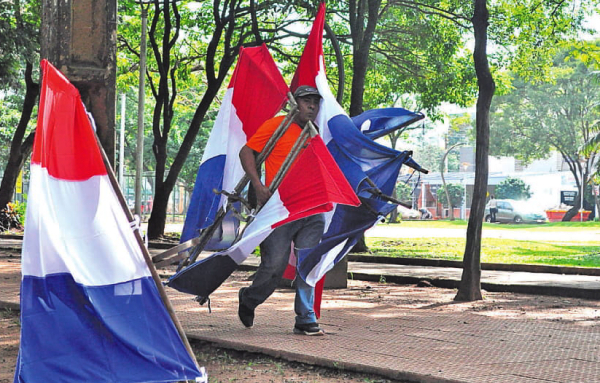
176,208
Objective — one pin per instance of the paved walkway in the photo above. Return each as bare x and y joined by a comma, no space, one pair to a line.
383,330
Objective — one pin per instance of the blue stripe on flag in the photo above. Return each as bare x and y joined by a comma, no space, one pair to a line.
67,324
348,223
204,203
203,277
385,120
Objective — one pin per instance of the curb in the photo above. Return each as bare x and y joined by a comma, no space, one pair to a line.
529,268
326,362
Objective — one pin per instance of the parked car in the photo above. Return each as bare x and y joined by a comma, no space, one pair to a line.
407,213
510,210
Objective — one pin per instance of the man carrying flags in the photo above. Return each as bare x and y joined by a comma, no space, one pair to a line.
303,233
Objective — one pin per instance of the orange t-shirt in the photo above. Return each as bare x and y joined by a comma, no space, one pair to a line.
283,146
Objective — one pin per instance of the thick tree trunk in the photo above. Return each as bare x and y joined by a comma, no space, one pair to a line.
572,212
470,284
157,221
364,15
20,149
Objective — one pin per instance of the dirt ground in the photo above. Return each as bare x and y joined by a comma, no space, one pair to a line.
234,366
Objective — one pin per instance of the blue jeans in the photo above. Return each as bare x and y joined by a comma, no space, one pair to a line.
274,255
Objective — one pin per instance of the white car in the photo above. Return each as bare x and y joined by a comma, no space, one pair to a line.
510,210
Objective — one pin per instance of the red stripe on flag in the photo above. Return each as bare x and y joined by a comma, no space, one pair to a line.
260,90
65,143
314,183
312,56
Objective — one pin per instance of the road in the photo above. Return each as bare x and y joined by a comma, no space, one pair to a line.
387,231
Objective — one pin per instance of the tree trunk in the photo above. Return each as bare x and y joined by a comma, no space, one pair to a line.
470,283
364,15
393,217
361,246
572,212
450,207
339,59
20,149
596,201
157,221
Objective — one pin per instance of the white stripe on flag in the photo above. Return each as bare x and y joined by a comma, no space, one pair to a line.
326,264
272,212
82,230
227,137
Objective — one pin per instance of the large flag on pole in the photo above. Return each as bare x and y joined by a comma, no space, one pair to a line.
90,309
256,92
363,161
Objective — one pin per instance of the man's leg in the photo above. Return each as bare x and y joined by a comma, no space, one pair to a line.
274,255
308,236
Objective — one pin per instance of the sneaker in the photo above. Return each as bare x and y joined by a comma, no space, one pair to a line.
310,329
245,314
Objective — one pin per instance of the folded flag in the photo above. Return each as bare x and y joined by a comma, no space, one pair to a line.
90,309
377,123
312,185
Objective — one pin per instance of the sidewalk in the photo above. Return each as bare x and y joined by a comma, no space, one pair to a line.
396,331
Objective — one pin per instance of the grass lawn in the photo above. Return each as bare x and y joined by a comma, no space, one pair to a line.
493,250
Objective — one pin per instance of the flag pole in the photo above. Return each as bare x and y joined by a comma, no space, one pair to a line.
115,185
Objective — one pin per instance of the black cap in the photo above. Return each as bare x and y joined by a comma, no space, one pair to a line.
306,90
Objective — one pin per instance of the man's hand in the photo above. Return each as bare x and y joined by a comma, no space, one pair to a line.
248,159
262,193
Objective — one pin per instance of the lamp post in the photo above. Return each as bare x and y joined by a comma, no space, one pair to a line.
139,158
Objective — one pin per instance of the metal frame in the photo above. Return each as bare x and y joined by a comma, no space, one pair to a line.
196,245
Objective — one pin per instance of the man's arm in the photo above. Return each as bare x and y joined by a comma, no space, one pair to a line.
248,159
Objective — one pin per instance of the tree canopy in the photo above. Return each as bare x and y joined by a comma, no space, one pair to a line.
560,113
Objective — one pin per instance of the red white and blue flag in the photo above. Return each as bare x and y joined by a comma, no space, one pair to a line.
358,156
314,184
256,92
90,309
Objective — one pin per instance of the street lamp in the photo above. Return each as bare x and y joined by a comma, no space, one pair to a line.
139,158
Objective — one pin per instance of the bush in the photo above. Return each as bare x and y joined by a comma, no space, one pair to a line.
12,217
456,192
513,188
403,191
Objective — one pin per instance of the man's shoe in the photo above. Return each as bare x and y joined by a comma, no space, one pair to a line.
310,329
245,314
